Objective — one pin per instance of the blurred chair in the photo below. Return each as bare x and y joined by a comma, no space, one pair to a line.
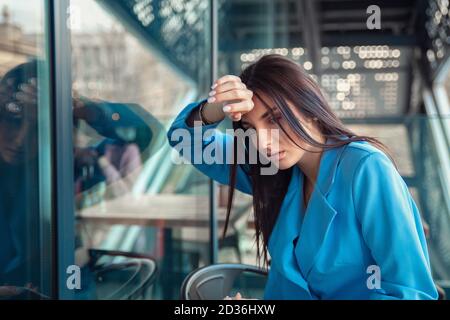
214,282
195,242
122,275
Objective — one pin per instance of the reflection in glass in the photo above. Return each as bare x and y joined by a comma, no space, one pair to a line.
25,244
135,64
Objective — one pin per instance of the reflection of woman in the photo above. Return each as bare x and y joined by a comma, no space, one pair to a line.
116,164
19,237
336,218
108,167
129,134
115,160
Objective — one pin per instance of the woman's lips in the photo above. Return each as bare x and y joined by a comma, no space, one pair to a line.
278,155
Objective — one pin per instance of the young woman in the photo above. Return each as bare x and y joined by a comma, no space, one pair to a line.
336,219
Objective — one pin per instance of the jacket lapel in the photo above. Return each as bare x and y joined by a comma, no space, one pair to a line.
295,262
286,229
318,218
319,214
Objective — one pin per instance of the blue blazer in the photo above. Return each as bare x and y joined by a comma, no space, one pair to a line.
361,236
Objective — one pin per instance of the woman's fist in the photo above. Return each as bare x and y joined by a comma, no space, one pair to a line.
233,94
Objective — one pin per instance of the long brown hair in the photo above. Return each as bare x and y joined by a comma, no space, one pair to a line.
281,80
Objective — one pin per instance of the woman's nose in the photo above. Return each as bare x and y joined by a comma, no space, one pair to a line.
268,140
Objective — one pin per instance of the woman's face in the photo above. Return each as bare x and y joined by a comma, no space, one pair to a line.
18,118
272,141
18,138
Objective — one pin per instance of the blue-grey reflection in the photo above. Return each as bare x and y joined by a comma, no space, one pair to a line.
114,161
19,221
125,139
106,166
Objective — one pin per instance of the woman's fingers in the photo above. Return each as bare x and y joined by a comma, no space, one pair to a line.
242,107
30,89
28,92
236,110
234,116
238,296
235,94
228,86
26,98
226,78
8,291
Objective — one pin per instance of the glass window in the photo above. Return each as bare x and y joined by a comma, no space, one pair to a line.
247,31
136,64
25,166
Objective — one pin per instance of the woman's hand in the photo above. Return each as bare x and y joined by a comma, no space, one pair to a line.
28,92
238,296
8,291
234,95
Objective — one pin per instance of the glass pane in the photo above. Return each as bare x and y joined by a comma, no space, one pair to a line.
247,30
432,191
25,167
136,64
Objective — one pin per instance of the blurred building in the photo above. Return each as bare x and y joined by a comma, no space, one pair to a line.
15,47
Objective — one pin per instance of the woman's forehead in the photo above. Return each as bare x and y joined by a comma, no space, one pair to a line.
262,98
263,103
258,110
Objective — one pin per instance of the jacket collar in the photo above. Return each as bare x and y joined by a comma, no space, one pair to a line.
295,262
328,167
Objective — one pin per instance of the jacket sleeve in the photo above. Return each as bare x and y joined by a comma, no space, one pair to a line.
207,148
392,229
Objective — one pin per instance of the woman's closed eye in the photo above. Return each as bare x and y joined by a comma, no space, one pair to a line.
275,119
272,120
245,125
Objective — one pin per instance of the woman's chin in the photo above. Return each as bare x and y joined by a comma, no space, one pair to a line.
284,164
